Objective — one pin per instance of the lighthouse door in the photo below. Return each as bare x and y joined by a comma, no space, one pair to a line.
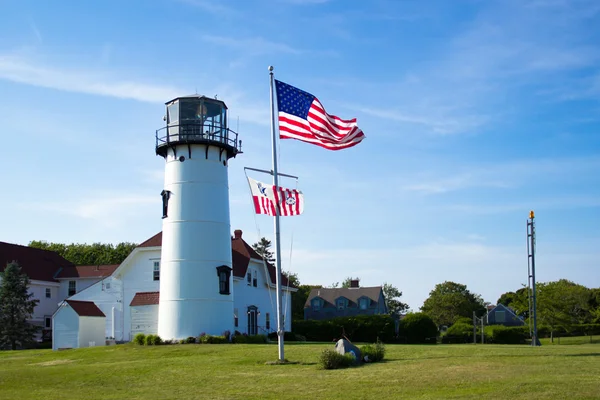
252,320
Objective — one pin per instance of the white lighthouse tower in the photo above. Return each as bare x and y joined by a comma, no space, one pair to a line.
196,290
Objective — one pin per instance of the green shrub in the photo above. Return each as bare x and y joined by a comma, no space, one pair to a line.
287,337
361,328
190,339
149,340
500,334
464,320
417,328
157,340
373,352
331,359
250,339
140,339
461,329
210,339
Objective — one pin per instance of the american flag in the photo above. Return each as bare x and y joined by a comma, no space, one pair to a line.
269,199
303,117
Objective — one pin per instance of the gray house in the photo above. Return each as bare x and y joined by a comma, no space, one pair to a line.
329,303
502,315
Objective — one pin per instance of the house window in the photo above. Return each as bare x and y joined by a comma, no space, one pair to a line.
255,280
316,304
156,271
267,321
165,194
363,303
500,316
72,288
47,322
235,318
341,304
249,278
48,293
107,285
224,272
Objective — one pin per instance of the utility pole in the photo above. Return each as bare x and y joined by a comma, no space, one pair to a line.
531,279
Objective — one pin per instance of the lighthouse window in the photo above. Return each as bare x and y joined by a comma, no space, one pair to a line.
165,200
173,111
224,272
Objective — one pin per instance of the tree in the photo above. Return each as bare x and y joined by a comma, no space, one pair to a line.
262,247
88,254
518,301
16,308
561,304
392,295
449,300
346,283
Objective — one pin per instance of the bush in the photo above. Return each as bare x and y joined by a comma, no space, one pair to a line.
500,334
461,332
417,328
331,359
373,352
250,339
287,337
361,328
190,340
152,340
140,339
210,339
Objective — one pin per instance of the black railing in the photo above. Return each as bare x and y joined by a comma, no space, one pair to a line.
194,133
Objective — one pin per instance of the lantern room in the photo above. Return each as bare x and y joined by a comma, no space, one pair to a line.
196,119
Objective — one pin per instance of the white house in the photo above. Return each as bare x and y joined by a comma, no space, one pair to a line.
40,266
129,297
77,324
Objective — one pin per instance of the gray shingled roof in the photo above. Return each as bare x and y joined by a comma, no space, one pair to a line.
352,294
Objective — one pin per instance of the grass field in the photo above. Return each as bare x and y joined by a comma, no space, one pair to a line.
239,372
571,340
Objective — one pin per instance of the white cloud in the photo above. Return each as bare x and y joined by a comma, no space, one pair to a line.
17,69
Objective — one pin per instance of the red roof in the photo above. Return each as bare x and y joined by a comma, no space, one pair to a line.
38,264
241,253
154,241
87,271
85,308
145,299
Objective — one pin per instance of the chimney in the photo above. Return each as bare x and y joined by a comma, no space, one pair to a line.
237,233
354,283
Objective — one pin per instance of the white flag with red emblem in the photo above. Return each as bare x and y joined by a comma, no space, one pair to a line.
269,199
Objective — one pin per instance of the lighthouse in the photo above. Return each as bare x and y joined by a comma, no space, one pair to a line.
196,288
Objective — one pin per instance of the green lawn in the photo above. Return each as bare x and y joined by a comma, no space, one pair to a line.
239,372
571,340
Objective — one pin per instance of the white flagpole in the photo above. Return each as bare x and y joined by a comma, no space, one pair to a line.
280,322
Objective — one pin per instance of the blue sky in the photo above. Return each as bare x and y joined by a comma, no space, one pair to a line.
475,112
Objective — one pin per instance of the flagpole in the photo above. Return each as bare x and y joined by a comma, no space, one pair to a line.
280,322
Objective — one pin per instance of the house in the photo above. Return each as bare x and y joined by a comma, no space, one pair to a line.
77,324
41,267
328,303
502,315
129,296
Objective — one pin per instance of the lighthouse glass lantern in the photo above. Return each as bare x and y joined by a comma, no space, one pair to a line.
196,262
196,119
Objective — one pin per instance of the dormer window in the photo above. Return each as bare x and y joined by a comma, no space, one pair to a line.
224,273
363,303
341,303
316,304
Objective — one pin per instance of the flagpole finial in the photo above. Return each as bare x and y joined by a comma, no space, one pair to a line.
271,68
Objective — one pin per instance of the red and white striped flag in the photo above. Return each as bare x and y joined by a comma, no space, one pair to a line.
303,117
269,199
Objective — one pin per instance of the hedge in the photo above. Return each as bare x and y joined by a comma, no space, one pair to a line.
500,334
417,328
362,328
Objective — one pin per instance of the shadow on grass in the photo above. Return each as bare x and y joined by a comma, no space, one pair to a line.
583,355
